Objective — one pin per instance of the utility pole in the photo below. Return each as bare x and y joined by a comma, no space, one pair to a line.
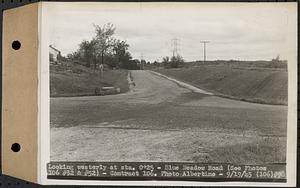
204,49
175,46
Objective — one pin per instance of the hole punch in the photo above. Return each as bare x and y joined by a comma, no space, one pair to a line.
16,45
15,147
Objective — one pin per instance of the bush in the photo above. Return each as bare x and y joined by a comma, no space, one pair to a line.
174,62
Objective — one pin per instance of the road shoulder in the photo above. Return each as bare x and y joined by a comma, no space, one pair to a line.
183,84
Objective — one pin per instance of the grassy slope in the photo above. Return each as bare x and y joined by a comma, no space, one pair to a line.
255,85
78,80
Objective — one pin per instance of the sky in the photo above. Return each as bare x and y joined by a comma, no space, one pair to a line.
234,31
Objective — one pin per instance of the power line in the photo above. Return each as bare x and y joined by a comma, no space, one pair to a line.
204,42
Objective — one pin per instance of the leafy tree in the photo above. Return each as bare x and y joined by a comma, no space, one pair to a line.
88,52
104,39
276,60
156,63
133,64
174,62
104,48
166,59
120,49
127,60
73,56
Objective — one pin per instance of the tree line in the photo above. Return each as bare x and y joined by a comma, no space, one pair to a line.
104,48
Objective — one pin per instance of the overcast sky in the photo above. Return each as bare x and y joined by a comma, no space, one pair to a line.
243,32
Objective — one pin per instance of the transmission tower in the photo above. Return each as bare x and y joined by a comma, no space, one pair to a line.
204,49
175,45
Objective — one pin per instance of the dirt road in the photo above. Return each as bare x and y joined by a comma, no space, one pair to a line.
160,120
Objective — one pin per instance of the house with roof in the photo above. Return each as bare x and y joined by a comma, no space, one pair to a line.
54,55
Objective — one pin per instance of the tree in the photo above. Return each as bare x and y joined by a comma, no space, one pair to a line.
127,60
166,60
276,60
73,56
104,39
120,49
133,64
174,62
156,63
88,52
104,48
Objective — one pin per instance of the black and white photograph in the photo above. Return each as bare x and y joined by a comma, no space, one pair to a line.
171,83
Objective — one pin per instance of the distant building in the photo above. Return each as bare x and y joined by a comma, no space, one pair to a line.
54,55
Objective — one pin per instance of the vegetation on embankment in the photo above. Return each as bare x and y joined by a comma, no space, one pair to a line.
267,86
68,80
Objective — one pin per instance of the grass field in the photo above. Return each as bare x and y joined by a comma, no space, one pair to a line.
258,85
260,64
77,80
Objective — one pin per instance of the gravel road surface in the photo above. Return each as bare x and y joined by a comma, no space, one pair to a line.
160,120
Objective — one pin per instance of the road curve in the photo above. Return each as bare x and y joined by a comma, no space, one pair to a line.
149,88
159,120
152,88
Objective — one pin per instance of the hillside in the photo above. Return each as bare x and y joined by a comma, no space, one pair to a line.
77,80
255,85
260,64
